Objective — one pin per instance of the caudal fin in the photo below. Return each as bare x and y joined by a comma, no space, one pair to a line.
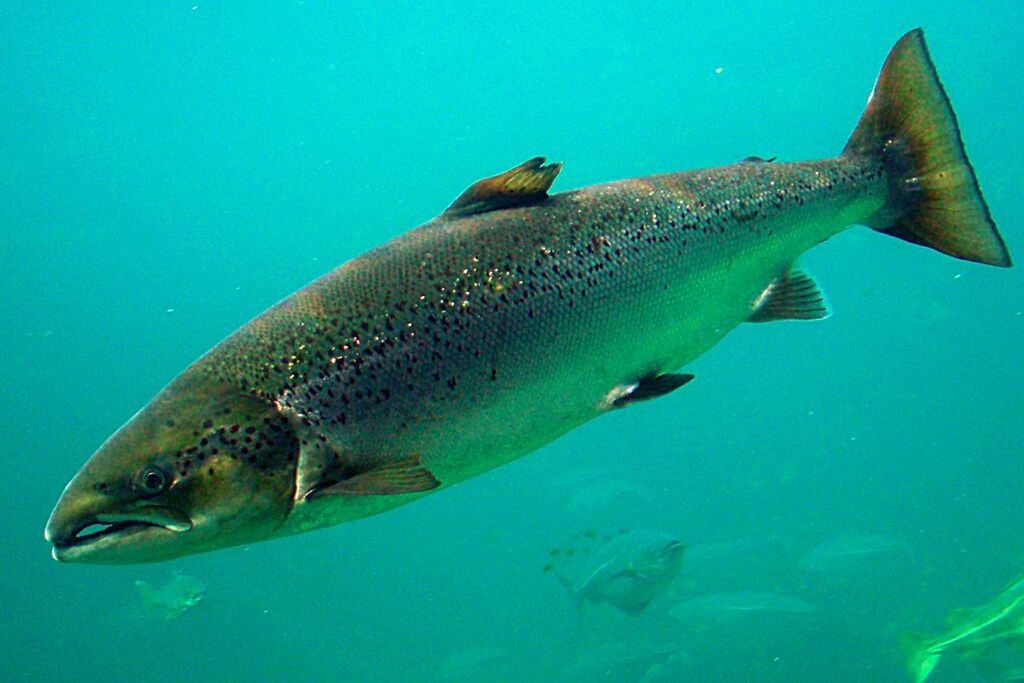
934,198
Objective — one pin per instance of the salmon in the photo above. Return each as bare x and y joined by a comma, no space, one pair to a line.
512,318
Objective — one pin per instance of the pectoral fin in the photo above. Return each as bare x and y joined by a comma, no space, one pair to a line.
650,387
403,476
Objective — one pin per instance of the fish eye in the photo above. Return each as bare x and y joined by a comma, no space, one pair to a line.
153,480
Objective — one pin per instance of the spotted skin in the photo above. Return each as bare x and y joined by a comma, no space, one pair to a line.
473,340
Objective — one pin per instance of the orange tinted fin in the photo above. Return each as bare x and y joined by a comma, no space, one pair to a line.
794,296
934,198
403,476
523,185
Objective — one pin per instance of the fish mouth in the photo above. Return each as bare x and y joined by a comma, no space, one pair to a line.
111,531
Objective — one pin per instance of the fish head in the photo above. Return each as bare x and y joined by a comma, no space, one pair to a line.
203,466
661,557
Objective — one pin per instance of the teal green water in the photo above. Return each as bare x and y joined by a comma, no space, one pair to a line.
169,170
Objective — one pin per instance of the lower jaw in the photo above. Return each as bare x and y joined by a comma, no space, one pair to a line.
135,544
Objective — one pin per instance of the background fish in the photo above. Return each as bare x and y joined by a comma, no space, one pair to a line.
170,601
734,605
843,552
972,631
629,571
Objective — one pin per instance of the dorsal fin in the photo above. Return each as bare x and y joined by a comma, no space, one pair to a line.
794,296
523,185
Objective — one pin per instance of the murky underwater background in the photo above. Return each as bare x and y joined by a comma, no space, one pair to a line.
168,170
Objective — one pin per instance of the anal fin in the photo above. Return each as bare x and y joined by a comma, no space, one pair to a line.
650,387
402,476
794,296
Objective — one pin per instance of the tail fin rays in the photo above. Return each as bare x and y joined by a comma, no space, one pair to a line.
934,198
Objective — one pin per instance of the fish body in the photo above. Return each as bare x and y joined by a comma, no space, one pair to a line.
630,570
597,497
567,302
847,551
734,605
512,318
972,631
173,599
